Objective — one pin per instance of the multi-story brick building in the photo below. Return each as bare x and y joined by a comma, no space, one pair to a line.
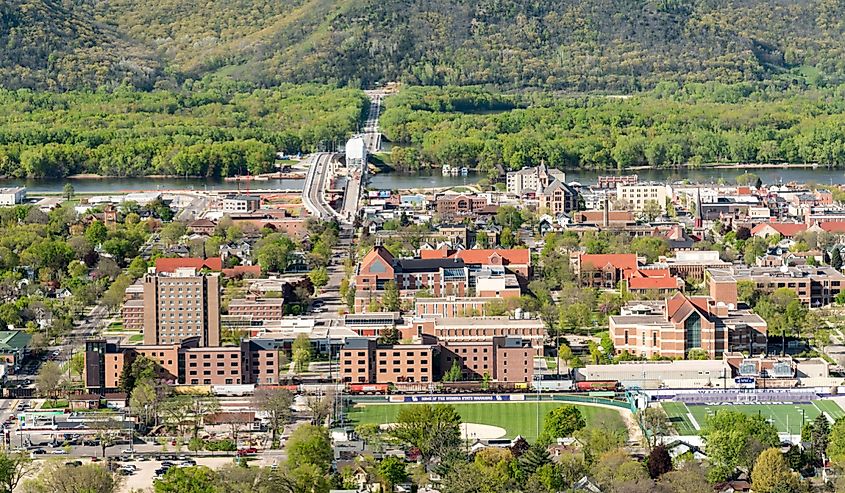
815,285
257,308
503,359
442,277
451,206
674,327
254,361
604,270
478,329
180,305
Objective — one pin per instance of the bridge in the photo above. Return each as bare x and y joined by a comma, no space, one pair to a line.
325,166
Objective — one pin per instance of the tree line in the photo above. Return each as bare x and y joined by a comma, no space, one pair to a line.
672,125
204,128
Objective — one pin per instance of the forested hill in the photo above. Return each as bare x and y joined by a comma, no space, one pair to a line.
54,45
574,45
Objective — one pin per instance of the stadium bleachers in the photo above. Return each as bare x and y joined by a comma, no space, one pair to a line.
747,396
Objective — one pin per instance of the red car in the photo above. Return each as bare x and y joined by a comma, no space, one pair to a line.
247,451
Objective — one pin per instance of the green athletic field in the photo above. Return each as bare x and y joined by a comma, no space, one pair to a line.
781,415
517,418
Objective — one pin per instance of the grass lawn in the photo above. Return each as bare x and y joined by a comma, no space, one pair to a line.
518,418
59,404
785,417
115,327
136,338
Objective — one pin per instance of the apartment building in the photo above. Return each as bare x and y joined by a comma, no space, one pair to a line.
180,305
478,329
365,361
533,180
503,359
815,285
637,196
255,361
256,308
241,203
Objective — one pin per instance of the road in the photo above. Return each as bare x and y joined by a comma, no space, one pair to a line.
313,193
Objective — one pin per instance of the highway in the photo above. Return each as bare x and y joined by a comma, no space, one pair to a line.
313,192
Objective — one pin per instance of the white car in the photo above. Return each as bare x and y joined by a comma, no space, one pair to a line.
127,451
58,451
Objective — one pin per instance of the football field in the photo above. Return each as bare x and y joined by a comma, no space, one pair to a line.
689,420
517,418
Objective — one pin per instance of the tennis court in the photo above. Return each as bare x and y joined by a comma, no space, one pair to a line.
688,420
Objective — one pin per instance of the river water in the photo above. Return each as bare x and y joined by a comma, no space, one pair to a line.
427,179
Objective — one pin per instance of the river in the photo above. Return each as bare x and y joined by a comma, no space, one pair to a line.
426,179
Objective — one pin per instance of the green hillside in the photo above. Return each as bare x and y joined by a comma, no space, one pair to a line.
56,45
572,45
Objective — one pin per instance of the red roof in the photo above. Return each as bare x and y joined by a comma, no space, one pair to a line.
787,230
243,270
624,261
833,226
171,264
653,283
518,256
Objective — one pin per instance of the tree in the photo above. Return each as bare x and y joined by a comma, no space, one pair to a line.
655,422
771,473
48,380
534,458
820,437
96,233
616,467
171,233
562,421
76,364
68,191
88,478
276,405
14,466
301,352
689,477
201,406
697,353
389,335
734,439
392,471
390,299
143,401
651,247
319,277
432,429
141,369
651,210
836,259
310,444
659,462
198,479
454,373
836,442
